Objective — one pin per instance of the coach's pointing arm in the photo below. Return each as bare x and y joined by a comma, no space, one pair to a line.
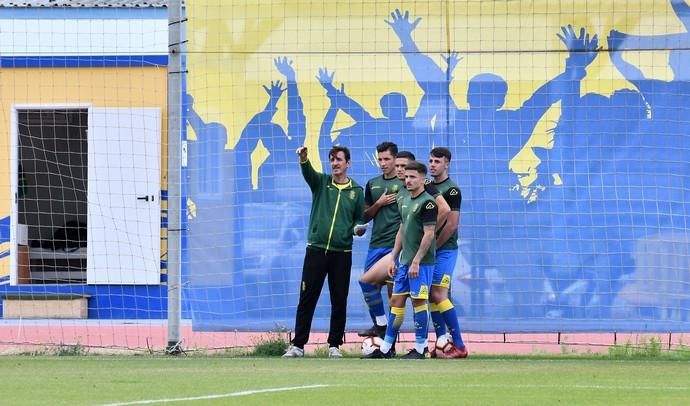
310,175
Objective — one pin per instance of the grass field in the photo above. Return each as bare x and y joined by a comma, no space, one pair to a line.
98,380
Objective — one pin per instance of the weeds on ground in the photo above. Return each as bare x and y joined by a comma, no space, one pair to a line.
38,352
70,350
648,349
270,345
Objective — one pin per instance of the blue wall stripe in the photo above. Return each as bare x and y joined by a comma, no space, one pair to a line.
4,229
90,61
108,301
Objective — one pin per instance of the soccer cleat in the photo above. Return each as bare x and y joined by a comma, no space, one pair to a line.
455,352
373,331
293,352
413,354
334,352
378,354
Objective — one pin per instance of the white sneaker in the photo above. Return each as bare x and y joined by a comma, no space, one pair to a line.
293,352
334,352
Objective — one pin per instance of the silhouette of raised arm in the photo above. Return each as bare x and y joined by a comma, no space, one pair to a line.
325,141
193,118
297,122
340,100
682,10
628,70
429,76
274,92
251,132
582,52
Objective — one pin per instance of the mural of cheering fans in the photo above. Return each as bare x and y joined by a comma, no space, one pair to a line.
487,136
594,139
368,131
487,129
662,188
437,106
567,163
259,174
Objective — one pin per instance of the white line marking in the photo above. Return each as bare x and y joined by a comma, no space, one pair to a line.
534,386
219,396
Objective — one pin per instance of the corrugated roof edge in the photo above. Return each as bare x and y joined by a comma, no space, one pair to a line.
84,3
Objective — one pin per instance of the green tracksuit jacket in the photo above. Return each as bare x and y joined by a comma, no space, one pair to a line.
335,210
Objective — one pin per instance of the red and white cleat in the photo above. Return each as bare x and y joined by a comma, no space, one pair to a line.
454,352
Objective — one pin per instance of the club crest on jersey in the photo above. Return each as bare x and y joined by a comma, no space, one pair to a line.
430,206
453,192
394,189
352,195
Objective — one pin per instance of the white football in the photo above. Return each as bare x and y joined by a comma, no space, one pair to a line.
370,344
444,342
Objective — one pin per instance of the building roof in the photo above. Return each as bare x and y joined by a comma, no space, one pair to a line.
84,3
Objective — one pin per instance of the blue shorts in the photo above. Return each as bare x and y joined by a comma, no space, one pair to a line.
443,270
417,288
374,254
390,280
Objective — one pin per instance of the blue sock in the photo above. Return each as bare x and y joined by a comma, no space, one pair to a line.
395,320
373,299
421,327
451,320
438,320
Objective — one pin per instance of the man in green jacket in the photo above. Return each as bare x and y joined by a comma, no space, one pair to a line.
337,206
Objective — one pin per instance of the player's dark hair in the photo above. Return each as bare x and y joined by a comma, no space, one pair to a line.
441,152
338,148
387,146
416,166
405,154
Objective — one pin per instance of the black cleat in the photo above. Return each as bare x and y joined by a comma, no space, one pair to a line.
413,354
373,331
378,354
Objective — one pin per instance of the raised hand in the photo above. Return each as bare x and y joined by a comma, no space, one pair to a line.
276,89
452,61
326,81
302,152
583,50
401,23
615,40
284,66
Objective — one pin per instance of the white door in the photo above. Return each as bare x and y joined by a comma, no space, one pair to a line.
124,208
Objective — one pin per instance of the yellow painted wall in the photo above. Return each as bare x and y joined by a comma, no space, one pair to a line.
99,87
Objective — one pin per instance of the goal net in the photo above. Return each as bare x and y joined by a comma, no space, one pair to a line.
567,122
569,146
